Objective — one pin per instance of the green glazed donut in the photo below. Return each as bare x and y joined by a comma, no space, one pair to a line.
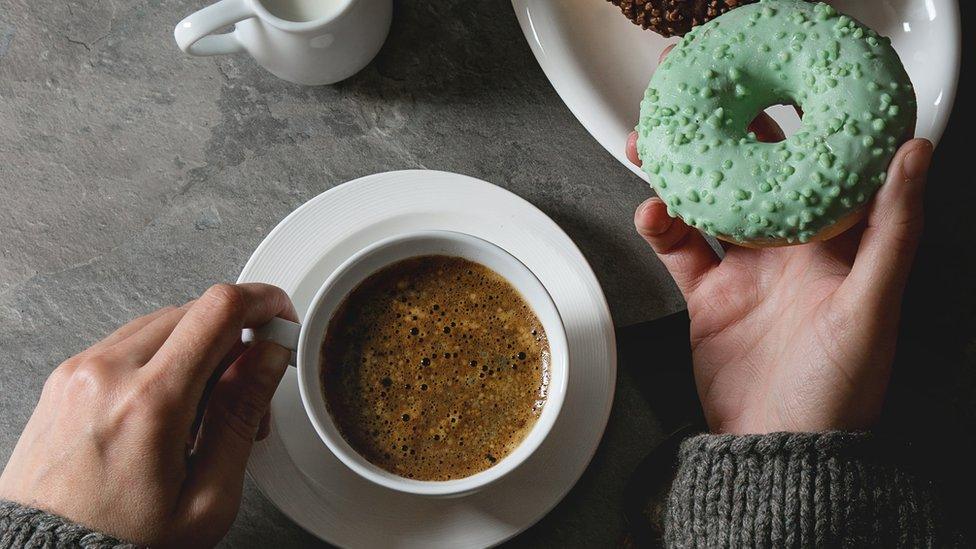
858,106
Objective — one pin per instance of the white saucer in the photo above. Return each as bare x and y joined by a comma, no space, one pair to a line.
600,63
296,471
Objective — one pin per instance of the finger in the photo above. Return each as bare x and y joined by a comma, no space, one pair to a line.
664,53
632,149
236,351
209,330
265,428
119,334
682,249
232,422
840,250
139,347
893,227
126,330
766,129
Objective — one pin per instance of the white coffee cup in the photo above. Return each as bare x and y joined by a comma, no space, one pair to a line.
303,41
306,339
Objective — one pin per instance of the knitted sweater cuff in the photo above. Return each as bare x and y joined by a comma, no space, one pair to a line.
797,489
22,526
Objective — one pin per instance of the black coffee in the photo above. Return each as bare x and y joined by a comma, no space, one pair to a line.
435,368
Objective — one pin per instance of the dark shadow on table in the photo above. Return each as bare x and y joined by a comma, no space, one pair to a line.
447,52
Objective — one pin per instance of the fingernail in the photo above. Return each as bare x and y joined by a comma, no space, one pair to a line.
650,225
916,164
665,53
645,205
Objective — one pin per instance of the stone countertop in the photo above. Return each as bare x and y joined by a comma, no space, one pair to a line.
132,177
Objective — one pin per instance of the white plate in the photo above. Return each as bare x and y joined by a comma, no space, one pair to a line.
600,63
296,471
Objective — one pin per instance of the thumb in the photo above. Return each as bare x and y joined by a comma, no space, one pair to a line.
240,399
894,226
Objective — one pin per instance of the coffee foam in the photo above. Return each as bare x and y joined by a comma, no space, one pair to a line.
435,368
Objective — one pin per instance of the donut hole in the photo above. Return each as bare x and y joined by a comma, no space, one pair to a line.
785,115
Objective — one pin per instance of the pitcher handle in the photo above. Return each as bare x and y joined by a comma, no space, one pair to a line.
194,35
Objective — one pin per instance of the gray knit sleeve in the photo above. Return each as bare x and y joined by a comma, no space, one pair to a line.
22,526
798,490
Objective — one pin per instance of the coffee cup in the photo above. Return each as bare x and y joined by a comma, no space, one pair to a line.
306,340
309,42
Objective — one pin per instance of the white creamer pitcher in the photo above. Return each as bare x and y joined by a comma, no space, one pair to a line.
303,41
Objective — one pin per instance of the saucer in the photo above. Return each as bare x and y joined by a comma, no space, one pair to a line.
297,472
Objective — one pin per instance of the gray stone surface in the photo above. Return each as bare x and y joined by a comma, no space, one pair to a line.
132,176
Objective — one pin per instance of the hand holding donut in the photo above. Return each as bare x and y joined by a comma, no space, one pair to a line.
797,338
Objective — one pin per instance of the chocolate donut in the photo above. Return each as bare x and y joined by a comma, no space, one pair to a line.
674,17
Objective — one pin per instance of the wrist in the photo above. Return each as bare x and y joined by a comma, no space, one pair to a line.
810,409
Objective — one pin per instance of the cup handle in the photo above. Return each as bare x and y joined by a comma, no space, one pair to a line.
192,33
280,331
